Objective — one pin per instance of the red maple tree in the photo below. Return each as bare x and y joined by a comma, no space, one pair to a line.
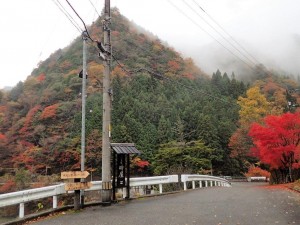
276,143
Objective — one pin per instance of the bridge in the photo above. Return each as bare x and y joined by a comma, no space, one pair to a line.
204,200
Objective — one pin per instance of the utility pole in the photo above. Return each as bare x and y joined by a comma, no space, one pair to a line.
84,77
79,194
107,92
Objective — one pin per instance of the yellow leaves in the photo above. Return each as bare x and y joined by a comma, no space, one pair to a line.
254,107
95,70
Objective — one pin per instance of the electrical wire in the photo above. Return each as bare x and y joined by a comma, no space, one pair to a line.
230,36
193,21
86,30
94,7
189,6
69,17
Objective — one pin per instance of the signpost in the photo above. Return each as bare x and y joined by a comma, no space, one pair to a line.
76,185
74,174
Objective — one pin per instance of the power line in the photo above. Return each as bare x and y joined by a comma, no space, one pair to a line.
69,17
94,7
188,5
193,21
230,36
86,30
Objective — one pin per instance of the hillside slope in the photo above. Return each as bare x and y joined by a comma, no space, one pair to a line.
41,118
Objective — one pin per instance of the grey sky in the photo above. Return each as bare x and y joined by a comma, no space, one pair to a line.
268,29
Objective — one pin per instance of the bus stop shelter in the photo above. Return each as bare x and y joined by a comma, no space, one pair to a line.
121,166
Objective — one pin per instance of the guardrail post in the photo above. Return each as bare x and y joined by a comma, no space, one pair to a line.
210,183
206,183
215,183
124,192
193,183
184,186
54,201
200,184
21,210
160,189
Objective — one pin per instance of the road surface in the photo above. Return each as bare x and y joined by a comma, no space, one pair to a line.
242,204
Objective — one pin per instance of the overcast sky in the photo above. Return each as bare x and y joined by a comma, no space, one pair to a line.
268,29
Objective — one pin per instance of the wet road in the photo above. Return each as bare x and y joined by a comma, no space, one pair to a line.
242,204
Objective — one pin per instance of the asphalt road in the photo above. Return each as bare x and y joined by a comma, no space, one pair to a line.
242,204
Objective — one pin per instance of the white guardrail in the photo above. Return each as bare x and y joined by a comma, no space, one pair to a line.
204,181
21,197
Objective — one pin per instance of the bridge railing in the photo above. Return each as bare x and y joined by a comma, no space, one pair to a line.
22,197
204,181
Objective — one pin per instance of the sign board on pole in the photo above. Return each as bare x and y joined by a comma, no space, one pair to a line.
77,186
74,174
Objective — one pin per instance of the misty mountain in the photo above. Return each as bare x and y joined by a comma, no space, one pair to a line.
281,57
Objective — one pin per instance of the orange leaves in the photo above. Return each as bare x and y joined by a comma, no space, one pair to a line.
118,72
191,71
174,66
29,118
49,112
257,172
41,77
140,164
95,70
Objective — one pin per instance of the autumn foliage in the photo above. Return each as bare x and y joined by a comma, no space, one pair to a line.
254,171
277,141
49,111
41,77
139,166
29,118
9,186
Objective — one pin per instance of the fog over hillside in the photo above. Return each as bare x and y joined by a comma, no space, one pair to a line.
282,56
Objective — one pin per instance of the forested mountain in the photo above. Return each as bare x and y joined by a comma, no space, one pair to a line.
181,123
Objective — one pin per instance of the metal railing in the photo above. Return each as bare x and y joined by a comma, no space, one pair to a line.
204,181
22,197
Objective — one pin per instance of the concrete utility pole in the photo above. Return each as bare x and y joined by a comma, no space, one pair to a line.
107,92
84,77
79,194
